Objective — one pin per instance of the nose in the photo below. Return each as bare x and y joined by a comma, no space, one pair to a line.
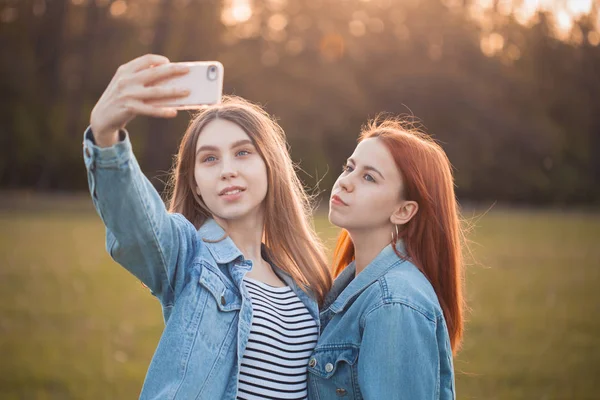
229,170
345,183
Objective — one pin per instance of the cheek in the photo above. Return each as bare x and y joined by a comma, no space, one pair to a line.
203,181
378,201
258,170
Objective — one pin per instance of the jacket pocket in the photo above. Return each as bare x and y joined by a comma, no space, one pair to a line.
223,292
333,373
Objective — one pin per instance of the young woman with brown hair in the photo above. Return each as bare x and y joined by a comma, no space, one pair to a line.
234,261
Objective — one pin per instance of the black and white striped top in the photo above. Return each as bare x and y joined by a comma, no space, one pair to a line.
282,338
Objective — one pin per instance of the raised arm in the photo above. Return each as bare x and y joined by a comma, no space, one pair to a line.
140,234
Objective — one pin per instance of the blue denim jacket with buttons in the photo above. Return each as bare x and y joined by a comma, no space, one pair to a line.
197,275
383,336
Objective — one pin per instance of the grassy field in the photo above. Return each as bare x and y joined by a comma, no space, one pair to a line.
74,325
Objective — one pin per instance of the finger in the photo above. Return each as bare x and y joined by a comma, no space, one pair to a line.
158,92
140,108
145,62
153,75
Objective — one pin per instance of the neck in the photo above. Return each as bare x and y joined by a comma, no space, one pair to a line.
368,244
247,234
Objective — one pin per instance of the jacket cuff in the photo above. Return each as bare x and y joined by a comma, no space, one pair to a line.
112,156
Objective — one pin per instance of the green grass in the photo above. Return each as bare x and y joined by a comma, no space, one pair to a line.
73,324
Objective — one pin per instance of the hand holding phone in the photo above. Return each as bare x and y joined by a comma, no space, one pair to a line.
129,93
153,86
204,82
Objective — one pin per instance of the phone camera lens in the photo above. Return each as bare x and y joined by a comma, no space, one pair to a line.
212,72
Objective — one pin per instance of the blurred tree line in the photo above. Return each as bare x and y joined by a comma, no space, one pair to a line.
515,105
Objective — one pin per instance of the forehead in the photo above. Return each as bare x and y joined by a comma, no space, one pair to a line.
374,153
221,133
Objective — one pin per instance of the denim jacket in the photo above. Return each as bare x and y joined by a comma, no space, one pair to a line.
197,275
383,336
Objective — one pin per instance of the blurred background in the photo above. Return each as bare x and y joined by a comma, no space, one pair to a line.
510,88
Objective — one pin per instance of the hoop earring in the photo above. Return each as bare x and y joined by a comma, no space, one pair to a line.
397,234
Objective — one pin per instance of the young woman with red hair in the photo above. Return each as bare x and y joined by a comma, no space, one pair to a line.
393,319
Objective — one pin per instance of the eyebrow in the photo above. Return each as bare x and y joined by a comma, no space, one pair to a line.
367,168
233,145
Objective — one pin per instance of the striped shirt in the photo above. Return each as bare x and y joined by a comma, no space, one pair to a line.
282,337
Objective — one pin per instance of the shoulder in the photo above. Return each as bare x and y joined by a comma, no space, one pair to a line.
182,221
405,285
190,242
184,226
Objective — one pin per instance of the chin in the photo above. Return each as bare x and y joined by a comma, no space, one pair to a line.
337,220
350,222
231,215
238,211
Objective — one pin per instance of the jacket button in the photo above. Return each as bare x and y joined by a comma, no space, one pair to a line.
340,392
312,362
329,367
223,302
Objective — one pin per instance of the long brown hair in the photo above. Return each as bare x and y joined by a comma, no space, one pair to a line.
433,238
288,233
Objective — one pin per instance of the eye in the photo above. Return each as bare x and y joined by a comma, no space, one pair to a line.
242,153
347,168
369,178
209,159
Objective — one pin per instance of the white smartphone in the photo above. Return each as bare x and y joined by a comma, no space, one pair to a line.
204,80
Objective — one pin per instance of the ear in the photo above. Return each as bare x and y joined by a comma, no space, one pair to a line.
404,212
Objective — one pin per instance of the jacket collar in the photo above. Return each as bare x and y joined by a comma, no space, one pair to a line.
224,251
218,243
346,288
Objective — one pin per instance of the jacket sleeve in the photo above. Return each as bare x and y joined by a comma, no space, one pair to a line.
141,235
399,356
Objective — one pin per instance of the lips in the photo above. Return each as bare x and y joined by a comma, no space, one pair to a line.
335,199
231,190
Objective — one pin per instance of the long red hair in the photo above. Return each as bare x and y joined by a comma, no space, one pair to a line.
433,238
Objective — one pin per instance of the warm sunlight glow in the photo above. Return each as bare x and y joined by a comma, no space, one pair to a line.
578,7
527,10
278,22
277,5
492,44
452,4
594,38
241,12
118,8
357,28
564,23
565,12
237,11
